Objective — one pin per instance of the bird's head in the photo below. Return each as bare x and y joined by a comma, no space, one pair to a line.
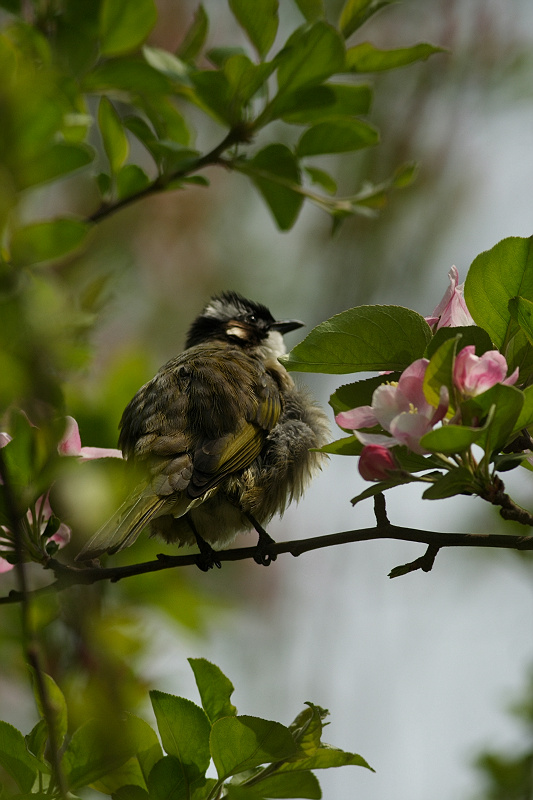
231,318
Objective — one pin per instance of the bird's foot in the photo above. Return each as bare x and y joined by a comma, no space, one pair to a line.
264,551
207,557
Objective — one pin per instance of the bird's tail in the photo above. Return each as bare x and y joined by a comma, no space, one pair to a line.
123,528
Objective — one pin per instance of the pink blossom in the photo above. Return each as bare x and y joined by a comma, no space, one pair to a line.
399,408
452,311
70,445
473,375
375,463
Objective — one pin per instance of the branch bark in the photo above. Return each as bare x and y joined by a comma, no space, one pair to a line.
69,576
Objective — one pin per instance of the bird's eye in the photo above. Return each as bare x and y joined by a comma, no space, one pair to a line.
251,318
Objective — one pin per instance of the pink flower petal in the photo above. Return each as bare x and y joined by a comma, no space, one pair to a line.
70,444
376,438
5,438
5,566
361,417
88,453
387,402
408,429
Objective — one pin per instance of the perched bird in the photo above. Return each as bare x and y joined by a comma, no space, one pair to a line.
224,435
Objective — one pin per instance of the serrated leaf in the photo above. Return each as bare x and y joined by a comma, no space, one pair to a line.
124,26
259,20
470,334
347,446
136,770
314,104
353,395
215,689
241,743
95,750
456,481
362,339
301,784
525,419
244,77
14,757
184,729
503,405
43,241
494,278
439,373
521,310
377,488
113,137
339,135
195,37
311,54
450,439
356,12
273,170
307,727
365,57
324,757
215,94
168,780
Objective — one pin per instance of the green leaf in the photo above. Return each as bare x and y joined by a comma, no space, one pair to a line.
325,757
215,689
313,104
14,757
244,77
115,140
525,418
241,743
470,334
136,770
291,784
503,405
439,373
521,311
376,488
338,135
216,95
37,740
450,439
95,750
365,57
274,170
57,707
43,241
311,9
494,278
322,179
168,780
347,446
457,481
311,54
127,75
195,37
57,160
259,20
167,63
131,180
356,12
353,395
365,338
307,727
184,729
124,25
130,793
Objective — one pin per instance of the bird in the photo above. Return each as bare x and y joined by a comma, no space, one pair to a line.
224,436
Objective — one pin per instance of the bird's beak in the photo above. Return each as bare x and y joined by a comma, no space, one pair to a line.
286,325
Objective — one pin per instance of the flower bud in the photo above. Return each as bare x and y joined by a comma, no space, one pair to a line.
375,463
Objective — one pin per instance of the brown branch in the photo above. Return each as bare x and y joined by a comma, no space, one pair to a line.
235,136
69,576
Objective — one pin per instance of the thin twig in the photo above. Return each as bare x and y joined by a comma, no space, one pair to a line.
69,576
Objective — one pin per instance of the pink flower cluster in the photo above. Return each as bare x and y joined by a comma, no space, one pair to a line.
70,445
404,414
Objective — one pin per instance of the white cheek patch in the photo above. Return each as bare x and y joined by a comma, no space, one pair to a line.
274,345
236,330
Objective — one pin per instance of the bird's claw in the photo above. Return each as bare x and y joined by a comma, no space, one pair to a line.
264,553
